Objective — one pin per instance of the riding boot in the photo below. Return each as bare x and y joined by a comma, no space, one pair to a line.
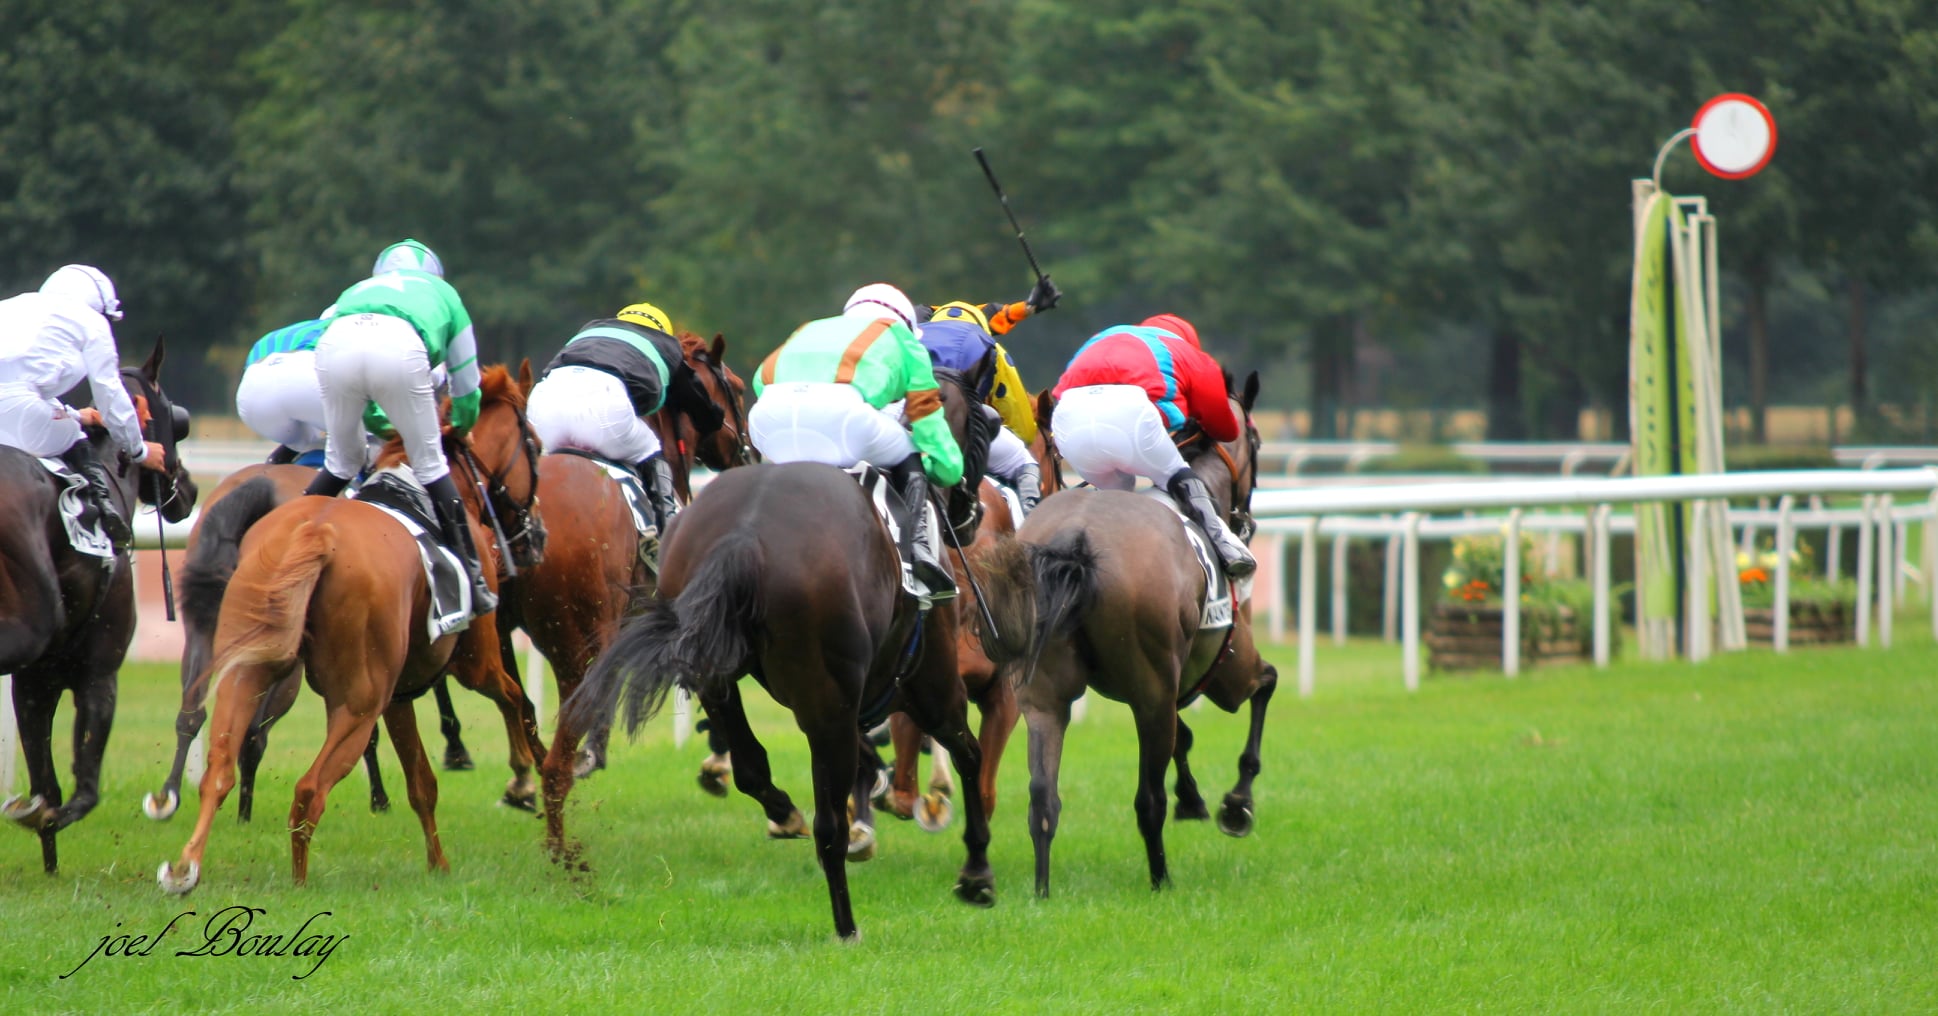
657,475
326,484
282,456
1194,497
80,457
451,518
914,487
1029,487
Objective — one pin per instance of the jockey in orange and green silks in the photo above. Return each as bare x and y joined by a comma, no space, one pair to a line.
829,394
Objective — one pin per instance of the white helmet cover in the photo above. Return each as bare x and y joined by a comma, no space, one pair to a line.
883,296
408,254
87,284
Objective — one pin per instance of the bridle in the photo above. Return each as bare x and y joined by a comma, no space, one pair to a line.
1240,519
159,408
526,527
744,454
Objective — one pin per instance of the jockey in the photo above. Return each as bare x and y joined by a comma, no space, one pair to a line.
1123,396
958,338
598,390
379,346
49,342
278,396
824,396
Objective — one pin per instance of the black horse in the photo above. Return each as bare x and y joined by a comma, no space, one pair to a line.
66,618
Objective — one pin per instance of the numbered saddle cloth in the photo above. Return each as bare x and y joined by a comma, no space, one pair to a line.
888,504
397,494
1220,595
80,515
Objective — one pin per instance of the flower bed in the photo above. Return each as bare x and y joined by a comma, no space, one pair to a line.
1820,611
1464,629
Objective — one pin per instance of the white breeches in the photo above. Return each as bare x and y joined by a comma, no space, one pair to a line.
825,422
280,399
1008,455
377,358
587,409
34,423
1112,434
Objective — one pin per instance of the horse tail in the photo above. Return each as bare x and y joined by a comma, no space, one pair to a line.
1065,574
274,597
702,636
218,545
1006,584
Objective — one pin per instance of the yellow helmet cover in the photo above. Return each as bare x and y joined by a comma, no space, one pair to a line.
647,315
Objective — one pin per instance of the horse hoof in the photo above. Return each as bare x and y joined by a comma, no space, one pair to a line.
934,812
27,812
976,890
161,809
379,805
1235,820
586,764
457,760
883,784
793,829
942,786
523,802
1194,811
861,843
174,885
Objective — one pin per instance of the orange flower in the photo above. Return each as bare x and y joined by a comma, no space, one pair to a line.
1749,576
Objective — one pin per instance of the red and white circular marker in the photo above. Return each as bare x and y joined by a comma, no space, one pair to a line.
1735,136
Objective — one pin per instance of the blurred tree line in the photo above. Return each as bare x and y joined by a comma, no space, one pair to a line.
1408,203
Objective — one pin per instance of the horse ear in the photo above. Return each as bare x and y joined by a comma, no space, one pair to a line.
525,375
719,347
1045,407
152,368
1251,391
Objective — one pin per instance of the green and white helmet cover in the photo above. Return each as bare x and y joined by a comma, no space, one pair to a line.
409,254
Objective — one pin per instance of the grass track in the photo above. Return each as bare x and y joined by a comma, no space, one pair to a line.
1754,834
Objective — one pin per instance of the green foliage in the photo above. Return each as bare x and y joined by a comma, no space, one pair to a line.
1751,458
1426,458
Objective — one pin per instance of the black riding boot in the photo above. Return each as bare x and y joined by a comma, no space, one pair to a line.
282,456
657,475
457,533
914,487
80,457
328,484
1029,487
1194,497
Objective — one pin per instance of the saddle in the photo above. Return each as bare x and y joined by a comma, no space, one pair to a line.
399,495
80,515
636,499
881,491
1221,596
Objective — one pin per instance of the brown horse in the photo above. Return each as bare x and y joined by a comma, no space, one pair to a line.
571,603
986,683
335,586
66,617
1135,638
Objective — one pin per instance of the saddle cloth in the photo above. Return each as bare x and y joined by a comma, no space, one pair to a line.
1010,498
396,493
80,516
1220,597
629,485
880,491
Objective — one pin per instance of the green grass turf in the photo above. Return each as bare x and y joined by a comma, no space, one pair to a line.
1752,834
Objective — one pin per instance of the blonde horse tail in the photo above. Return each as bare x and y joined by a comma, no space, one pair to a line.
269,597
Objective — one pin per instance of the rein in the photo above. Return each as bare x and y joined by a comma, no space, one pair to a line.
743,445
524,516
1241,494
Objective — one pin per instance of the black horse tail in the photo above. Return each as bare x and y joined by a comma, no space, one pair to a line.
701,637
1065,572
212,561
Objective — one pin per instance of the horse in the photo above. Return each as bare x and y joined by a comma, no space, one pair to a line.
572,602
1134,636
66,618
823,624
986,683
335,585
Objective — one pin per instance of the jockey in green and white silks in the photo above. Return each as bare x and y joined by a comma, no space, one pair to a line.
384,335
826,396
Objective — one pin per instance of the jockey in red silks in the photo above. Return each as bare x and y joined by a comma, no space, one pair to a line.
1123,397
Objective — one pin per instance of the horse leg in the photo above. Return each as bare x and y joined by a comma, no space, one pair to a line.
379,800
755,779
948,722
235,706
861,815
275,705
999,715
343,743
907,738
1047,723
1191,804
716,770
1235,815
483,671
1156,739
835,747
36,694
161,805
456,758
420,781
94,699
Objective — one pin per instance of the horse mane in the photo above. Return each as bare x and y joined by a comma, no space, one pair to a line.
495,385
691,343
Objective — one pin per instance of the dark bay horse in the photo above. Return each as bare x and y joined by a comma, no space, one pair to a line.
1136,639
987,684
335,586
66,618
786,573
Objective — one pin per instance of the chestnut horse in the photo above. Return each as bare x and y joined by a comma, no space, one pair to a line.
988,686
1135,638
66,618
335,585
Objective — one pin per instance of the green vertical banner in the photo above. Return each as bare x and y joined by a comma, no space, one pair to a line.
1655,374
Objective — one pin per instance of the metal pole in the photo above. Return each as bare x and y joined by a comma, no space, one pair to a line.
1696,614
1887,560
1511,598
1785,539
1598,524
1866,535
1410,600
1340,545
1389,615
1308,604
